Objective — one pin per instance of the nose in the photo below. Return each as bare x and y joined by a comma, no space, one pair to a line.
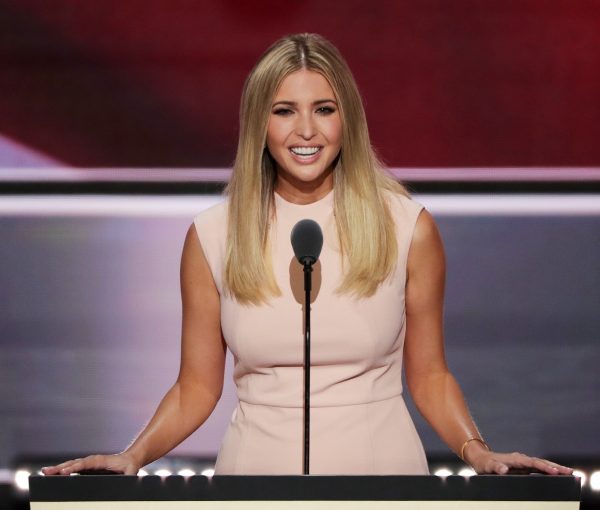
305,126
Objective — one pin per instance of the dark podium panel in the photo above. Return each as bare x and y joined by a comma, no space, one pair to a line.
304,492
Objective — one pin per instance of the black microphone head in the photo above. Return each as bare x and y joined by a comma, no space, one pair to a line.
307,241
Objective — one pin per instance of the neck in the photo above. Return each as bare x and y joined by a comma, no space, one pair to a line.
303,193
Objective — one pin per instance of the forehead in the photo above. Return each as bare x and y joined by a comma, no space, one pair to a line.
304,85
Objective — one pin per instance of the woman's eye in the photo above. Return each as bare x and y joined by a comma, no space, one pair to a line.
282,111
326,110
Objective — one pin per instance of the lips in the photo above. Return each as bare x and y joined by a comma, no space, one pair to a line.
305,151
306,154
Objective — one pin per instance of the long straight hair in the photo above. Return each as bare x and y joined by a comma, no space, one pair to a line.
365,226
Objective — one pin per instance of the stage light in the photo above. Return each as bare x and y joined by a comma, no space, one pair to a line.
163,472
581,475
142,472
595,481
208,472
443,472
186,472
22,479
467,472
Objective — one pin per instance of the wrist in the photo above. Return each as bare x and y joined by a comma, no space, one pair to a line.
472,449
136,457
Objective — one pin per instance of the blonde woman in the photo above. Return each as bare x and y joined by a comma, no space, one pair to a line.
304,152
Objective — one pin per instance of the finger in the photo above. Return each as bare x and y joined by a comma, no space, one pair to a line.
563,470
526,463
555,469
540,465
495,466
501,469
91,462
52,470
67,463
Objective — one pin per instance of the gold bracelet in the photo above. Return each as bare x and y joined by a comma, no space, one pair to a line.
462,450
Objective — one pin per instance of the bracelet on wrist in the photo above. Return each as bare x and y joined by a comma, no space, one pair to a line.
464,445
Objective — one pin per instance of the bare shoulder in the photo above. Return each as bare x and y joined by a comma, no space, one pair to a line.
426,240
192,249
196,276
426,268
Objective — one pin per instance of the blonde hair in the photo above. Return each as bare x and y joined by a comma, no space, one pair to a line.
365,227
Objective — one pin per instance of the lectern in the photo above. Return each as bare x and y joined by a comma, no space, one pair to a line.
304,492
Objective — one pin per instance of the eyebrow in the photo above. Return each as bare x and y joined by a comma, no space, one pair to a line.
294,103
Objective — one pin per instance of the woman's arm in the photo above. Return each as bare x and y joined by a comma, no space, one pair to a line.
199,384
434,389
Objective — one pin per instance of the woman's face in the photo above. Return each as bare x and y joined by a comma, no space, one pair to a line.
304,135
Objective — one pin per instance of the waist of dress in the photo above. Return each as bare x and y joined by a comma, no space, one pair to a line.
317,405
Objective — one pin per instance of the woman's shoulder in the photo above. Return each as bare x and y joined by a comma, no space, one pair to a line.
214,216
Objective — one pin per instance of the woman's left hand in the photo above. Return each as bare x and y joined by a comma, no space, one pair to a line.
489,462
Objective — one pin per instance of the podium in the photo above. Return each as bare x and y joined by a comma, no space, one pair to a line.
314,492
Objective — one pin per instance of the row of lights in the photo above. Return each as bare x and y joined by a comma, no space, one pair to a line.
21,476
594,477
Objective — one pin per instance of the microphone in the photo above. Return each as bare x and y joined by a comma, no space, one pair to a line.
307,241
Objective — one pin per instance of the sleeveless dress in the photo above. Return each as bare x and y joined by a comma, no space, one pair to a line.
359,422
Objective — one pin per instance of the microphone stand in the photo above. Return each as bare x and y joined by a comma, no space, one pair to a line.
307,242
307,288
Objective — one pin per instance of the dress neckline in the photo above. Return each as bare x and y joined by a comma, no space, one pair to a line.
324,201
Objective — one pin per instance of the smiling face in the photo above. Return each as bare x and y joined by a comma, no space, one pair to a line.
304,136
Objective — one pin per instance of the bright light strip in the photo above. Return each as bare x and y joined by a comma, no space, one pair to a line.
189,205
186,472
163,472
209,472
581,475
443,472
142,472
22,479
595,481
511,204
467,472
106,205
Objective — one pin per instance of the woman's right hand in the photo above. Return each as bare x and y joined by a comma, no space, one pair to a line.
122,463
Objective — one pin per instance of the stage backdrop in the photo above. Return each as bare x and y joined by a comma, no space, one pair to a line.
149,83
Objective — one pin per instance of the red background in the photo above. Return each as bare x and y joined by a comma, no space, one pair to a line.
127,83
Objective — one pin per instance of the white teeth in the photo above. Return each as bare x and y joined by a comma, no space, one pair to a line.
305,151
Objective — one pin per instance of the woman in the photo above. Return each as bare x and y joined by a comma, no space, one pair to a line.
304,151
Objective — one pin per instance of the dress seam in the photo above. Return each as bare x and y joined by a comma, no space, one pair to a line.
401,394
370,432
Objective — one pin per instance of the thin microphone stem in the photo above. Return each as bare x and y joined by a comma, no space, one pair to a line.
307,289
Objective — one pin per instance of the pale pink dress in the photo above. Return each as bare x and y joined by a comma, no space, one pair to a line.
359,422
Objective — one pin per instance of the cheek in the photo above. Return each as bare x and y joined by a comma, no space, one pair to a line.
333,132
275,133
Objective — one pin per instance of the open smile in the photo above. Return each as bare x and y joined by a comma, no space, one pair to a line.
306,154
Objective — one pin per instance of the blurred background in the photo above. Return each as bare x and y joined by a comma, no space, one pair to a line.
118,124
